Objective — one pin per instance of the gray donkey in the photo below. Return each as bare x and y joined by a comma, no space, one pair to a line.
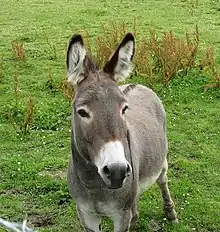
119,144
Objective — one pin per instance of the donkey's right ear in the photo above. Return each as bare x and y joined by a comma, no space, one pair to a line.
76,54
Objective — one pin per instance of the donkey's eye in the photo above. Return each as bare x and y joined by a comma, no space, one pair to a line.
124,109
82,113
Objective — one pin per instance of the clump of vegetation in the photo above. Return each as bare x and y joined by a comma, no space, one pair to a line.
143,62
29,115
18,51
67,89
50,81
172,54
210,68
165,56
22,119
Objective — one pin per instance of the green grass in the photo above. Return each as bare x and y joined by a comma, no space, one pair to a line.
33,167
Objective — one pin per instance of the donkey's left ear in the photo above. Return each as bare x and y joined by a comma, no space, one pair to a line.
76,54
120,64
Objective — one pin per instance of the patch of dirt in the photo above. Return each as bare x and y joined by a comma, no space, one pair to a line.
154,225
13,191
41,220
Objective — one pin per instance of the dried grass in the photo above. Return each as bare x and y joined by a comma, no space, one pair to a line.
210,68
29,115
18,51
172,54
67,89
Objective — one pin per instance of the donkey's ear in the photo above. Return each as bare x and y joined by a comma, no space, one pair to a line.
119,66
75,58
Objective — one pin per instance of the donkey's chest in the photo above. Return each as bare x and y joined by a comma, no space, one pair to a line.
108,208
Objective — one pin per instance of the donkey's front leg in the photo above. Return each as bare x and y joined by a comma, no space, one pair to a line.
122,220
135,210
90,222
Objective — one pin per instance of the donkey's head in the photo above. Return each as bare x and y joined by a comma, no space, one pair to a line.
99,109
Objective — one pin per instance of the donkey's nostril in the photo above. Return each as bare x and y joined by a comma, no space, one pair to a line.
128,169
106,170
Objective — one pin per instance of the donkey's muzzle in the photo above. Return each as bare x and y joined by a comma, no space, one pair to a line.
116,173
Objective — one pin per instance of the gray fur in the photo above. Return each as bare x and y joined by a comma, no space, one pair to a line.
145,121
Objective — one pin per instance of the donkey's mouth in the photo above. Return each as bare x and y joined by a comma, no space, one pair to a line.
115,186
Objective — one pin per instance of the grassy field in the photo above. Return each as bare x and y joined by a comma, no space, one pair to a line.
33,166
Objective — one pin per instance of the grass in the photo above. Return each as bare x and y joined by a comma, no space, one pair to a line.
33,167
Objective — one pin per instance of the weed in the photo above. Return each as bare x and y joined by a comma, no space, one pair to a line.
18,51
50,83
172,54
16,87
143,64
20,119
29,115
210,68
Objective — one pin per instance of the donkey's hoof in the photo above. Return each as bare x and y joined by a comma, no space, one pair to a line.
175,221
134,220
172,216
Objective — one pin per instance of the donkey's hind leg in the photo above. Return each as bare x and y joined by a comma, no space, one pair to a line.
162,182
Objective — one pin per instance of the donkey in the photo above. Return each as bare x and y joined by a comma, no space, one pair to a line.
118,145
